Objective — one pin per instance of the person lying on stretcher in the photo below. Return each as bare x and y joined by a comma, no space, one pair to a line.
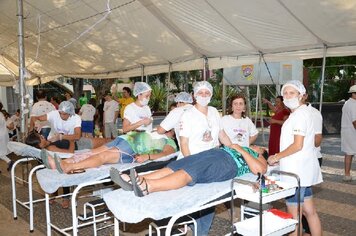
128,148
214,165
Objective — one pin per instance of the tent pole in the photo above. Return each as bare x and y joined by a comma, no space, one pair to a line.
142,72
205,69
167,86
223,96
21,56
322,79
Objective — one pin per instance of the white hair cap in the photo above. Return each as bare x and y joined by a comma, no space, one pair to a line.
203,85
295,84
184,97
352,89
67,107
141,87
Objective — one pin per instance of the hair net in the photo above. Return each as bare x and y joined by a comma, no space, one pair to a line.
352,89
140,87
184,97
203,85
67,107
295,84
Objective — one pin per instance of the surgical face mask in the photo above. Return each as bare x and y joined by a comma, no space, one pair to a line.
292,103
144,101
202,101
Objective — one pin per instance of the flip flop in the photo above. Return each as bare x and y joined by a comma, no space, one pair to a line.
57,160
44,158
117,179
136,186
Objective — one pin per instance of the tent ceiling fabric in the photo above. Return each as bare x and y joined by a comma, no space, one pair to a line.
123,38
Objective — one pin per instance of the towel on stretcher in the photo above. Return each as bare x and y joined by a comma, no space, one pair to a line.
159,205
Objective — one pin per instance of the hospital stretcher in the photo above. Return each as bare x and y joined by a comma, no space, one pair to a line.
126,207
51,180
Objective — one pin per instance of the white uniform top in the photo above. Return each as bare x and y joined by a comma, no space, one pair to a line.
88,112
110,107
62,126
4,136
202,131
348,132
42,108
134,113
304,162
318,126
172,119
239,130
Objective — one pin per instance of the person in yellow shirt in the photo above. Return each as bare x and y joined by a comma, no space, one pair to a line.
125,100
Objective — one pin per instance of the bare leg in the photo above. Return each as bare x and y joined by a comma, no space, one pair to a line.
158,174
294,211
348,162
111,156
312,217
175,180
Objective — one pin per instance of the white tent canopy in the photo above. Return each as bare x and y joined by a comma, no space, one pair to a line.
124,38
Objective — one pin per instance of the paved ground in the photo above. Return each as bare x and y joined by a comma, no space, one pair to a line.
335,200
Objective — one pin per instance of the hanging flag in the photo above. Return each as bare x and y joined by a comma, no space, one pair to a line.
247,71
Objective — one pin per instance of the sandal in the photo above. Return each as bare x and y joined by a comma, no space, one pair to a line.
116,177
136,186
44,158
57,160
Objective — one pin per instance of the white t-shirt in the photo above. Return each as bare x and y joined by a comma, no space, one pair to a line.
4,136
304,162
318,126
41,108
348,132
202,131
88,112
172,119
16,120
134,113
62,126
110,107
239,130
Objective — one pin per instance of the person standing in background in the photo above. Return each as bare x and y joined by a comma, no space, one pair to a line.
87,113
55,102
281,114
125,100
4,139
71,99
83,100
184,102
348,132
41,107
111,112
237,125
137,115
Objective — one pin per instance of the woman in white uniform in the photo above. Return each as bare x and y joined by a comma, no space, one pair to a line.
297,154
4,139
137,115
200,130
237,125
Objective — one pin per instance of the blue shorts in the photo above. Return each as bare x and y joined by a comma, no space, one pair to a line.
213,165
127,154
305,193
87,126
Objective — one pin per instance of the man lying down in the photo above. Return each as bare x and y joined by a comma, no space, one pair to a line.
128,148
214,165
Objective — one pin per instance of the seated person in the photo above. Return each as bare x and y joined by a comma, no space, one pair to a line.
213,165
134,146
